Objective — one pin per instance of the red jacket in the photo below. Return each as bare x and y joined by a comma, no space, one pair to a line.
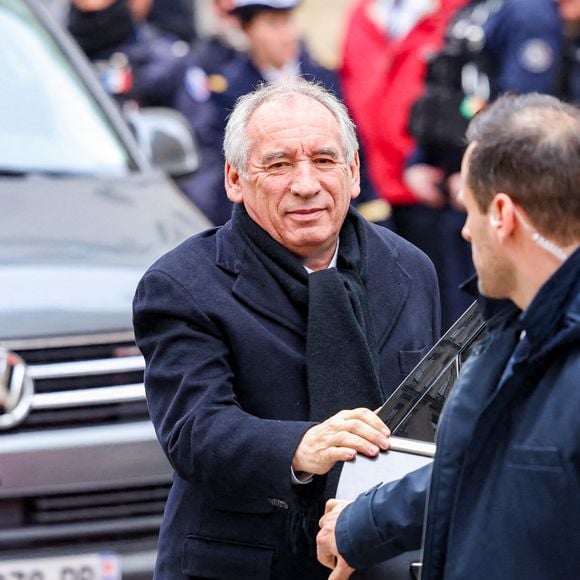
381,77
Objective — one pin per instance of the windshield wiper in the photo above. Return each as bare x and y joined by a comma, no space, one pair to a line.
12,173
19,173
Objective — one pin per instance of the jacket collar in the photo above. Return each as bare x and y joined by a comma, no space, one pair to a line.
387,286
553,316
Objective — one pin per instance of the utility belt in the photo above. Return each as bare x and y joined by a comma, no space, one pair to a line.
458,80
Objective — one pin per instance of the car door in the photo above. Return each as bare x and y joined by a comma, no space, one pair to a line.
412,413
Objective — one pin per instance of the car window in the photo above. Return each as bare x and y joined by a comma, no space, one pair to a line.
50,122
413,410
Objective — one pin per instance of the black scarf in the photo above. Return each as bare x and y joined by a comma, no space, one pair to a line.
342,365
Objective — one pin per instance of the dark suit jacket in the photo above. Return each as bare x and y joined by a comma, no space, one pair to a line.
226,388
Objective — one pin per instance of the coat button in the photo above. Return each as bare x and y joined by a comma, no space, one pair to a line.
279,503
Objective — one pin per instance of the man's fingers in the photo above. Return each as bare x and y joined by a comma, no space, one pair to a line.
340,438
366,416
359,435
342,571
325,547
326,558
332,503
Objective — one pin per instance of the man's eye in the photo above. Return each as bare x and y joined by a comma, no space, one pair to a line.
278,165
324,161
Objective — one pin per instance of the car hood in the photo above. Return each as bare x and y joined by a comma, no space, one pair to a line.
72,250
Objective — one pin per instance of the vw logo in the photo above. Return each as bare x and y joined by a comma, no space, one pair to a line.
16,390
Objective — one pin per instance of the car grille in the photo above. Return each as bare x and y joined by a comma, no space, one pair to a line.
83,381
82,518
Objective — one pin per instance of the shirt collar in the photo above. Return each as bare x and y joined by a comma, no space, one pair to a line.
333,261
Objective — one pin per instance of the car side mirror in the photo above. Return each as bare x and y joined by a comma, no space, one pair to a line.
166,138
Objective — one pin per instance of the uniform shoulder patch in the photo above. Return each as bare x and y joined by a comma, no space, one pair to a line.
217,83
536,55
197,85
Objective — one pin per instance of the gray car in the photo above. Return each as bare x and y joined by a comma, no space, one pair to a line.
82,214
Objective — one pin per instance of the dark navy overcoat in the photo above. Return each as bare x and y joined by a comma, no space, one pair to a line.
226,388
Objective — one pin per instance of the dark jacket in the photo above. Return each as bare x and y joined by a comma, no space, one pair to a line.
568,78
226,389
503,496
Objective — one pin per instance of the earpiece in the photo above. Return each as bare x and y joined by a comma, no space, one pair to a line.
493,221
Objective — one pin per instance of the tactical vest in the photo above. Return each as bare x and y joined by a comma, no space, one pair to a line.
458,81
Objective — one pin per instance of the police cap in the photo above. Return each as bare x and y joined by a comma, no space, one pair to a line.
239,6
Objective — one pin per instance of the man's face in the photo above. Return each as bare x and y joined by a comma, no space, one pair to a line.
273,37
297,186
140,9
495,274
569,10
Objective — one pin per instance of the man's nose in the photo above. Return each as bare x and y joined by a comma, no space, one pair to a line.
465,233
305,180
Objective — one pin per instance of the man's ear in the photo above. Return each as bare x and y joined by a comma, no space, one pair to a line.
502,214
232,184
354,169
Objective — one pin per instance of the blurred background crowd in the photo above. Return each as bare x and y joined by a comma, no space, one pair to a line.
411,72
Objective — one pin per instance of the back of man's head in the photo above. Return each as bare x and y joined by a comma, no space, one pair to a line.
528,147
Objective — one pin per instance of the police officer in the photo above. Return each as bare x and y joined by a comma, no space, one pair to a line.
134,60
492,47
274,51
221,43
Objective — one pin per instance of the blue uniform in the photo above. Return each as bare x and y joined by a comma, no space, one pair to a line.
568,83
523,40
206,64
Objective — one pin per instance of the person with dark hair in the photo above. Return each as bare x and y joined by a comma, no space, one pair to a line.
268,341
501,497
134,60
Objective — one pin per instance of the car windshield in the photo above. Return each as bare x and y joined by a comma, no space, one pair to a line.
50,123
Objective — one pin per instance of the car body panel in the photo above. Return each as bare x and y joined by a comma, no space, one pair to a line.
76,248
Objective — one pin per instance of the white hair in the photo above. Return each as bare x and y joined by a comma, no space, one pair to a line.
236,142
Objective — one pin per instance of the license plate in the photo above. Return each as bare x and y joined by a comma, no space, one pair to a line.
86,567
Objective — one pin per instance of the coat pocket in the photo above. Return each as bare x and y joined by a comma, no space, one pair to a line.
408,360
241,504
534,458
222,559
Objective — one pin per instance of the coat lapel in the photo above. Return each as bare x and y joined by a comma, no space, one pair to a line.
386,281
387,285
254,285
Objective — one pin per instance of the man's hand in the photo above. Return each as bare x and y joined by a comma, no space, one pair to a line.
454,185
340,438
424,182
342,571
326,549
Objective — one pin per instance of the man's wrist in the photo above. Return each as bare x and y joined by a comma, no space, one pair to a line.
300,477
